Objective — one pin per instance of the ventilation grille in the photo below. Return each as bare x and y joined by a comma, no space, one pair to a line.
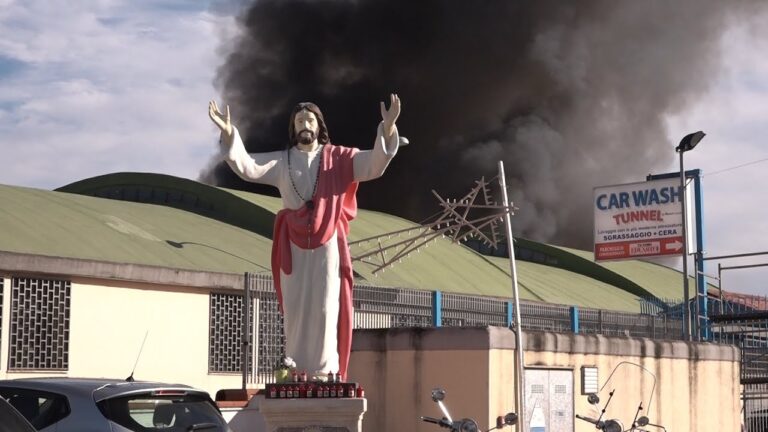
226,333
39,334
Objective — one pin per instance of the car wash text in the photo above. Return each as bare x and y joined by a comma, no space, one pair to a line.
638,198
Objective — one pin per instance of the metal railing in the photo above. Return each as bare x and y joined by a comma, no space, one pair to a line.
745,325
460,310
743,322
387,307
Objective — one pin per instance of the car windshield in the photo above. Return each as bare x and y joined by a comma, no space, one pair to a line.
168,413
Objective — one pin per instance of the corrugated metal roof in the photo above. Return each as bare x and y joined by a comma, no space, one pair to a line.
554,285
198,227
67,225
442,266
662,282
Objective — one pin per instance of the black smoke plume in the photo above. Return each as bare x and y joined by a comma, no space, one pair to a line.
570,95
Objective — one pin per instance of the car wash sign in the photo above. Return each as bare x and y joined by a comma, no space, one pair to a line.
638,220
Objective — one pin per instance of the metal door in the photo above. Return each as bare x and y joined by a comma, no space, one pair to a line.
548,400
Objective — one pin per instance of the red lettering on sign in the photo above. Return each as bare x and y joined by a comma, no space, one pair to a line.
638,216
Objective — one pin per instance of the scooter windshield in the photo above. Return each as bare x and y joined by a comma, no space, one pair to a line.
626,396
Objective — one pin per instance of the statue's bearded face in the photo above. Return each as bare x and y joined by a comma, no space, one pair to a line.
306,127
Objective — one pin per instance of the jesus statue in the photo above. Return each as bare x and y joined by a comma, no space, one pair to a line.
311,263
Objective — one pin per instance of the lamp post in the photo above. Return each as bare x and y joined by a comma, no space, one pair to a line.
519,342
686,144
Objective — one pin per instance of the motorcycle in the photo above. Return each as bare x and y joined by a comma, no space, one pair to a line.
639,422
465,424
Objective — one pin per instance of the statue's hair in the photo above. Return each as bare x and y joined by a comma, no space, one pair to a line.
322,129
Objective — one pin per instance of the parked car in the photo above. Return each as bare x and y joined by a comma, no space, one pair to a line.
11,420
104,405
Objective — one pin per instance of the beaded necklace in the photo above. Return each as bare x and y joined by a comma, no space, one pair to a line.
309,202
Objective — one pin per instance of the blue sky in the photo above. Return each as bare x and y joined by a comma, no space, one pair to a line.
94,87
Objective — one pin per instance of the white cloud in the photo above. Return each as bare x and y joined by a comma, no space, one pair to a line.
103,87
734,114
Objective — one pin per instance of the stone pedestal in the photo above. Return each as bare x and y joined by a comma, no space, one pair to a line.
314,415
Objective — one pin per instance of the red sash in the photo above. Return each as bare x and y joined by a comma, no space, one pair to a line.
335,207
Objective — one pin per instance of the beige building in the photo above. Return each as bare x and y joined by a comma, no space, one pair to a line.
683,386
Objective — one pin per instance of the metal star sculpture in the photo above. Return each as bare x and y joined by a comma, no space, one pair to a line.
458,220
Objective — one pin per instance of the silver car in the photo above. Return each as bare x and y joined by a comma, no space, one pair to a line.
103,405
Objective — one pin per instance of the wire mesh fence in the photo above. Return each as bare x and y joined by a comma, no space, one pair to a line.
749,332
755,409
460,310
388,307
544,316
613,323
380,307
743,321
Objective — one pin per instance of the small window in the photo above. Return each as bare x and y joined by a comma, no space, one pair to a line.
40,408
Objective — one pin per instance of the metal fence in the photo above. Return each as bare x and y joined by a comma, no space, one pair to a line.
611,323
459,310
745,326
386,307
544,316
755,397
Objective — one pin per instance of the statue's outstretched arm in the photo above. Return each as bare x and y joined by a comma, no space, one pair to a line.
371,164
258,167
224,122
389,116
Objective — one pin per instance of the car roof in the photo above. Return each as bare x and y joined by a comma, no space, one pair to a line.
98,388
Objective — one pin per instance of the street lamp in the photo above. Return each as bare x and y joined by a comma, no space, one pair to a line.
687,143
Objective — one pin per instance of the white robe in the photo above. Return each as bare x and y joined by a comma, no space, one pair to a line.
311,291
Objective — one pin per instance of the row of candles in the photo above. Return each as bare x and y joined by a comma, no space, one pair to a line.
315,390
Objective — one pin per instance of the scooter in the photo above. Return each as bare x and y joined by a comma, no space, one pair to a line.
465,424
639,422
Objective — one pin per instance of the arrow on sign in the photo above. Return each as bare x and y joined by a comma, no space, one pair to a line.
676,245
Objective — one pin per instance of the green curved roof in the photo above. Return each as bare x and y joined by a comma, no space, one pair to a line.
468,271
555,285
662,282
641,278
217,203
441,266
75,226
166,221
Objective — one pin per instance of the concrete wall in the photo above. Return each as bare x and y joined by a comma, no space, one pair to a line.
696,384
108,321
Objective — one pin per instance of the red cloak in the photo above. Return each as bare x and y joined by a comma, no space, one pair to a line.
335,205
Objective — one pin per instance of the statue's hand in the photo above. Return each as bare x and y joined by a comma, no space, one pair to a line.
220,119
390,115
